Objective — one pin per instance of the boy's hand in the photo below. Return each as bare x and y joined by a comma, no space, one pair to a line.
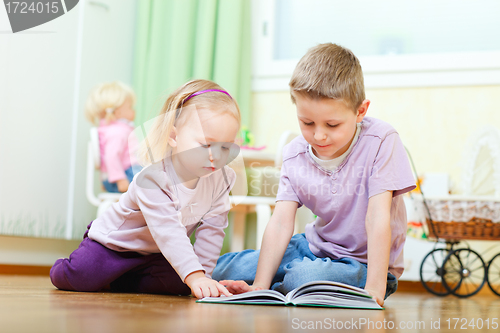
239,287
376,296
201,286
122,185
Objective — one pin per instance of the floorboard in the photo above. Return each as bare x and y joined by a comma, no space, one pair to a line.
32,304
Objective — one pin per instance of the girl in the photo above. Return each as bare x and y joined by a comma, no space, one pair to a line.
141,243
110,107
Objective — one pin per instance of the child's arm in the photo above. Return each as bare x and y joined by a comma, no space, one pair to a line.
378,229
277,235
209,238
210,233
158,206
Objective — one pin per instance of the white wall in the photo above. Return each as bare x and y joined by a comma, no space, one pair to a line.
41,132
37,69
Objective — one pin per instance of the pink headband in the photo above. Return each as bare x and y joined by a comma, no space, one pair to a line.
205,91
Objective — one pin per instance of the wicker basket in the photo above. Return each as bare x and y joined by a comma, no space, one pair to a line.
460,217
475,228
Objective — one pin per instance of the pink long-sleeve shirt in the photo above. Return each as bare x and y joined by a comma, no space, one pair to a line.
157,215
117,150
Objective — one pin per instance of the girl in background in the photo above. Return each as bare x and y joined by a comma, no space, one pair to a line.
141,243
110,106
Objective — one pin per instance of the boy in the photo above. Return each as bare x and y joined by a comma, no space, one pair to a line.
350,171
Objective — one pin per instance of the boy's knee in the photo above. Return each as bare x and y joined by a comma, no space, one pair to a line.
217,274
298,272
302,267
306,270
237,266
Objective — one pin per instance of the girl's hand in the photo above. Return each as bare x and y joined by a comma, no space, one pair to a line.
376,296
201,286
239,287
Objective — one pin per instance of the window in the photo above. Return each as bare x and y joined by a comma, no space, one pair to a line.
399,43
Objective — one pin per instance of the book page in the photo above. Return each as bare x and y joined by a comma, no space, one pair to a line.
327,286
251,297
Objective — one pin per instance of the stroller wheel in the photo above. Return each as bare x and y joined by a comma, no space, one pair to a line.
432,271
466,272
494,274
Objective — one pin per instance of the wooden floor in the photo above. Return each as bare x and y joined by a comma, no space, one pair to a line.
32,304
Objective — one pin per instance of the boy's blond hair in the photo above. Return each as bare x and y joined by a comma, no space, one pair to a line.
155,146
329,71
105,98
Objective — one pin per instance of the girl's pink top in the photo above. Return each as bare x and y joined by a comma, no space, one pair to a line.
158,214
118,146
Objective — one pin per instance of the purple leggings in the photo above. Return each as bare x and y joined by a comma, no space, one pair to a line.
92,267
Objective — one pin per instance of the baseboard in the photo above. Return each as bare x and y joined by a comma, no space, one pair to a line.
24,270
411,286
417,287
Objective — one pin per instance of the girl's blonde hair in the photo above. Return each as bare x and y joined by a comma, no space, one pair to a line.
155,147
105,98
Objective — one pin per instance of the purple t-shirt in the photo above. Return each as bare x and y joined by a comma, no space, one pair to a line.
377,163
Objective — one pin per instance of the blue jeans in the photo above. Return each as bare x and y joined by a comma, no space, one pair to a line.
299,265
130,172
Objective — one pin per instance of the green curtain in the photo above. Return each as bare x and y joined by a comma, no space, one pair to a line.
180,40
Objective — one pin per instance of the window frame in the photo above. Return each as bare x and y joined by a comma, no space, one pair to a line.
387,71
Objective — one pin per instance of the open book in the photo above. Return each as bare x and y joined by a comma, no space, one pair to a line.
317,293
